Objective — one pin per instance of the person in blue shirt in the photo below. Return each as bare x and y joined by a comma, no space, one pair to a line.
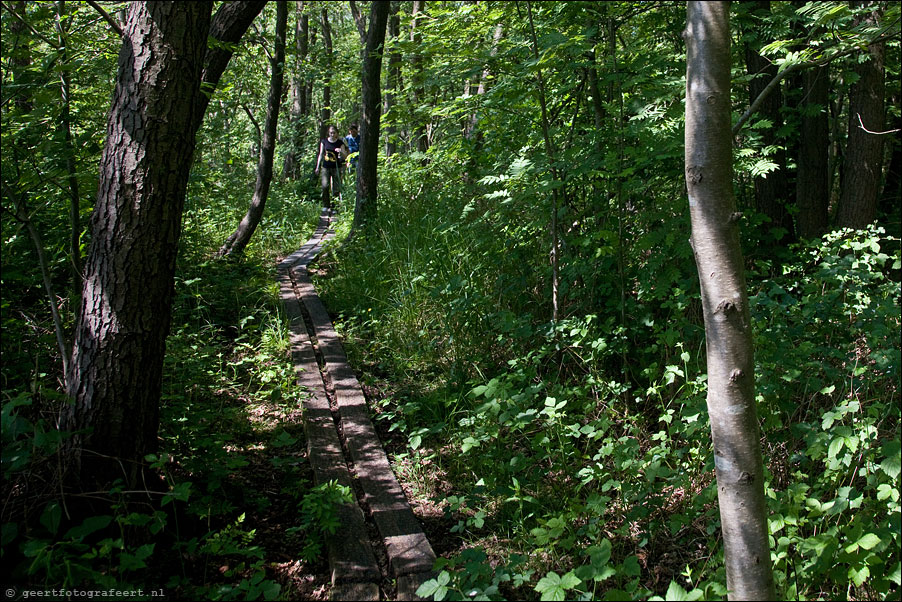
353,142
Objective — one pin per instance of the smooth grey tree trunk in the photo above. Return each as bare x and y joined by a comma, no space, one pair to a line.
239,239
715,242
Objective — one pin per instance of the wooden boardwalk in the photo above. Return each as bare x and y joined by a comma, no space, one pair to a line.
343,446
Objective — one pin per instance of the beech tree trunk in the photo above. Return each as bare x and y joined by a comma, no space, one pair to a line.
863,161
238,240
365,207
715,243
116,369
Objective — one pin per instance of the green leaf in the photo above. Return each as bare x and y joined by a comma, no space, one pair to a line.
435,588
553,587
631,567
676,592
860,575
51,516
896,574
88,526
892,465
868,541
835,447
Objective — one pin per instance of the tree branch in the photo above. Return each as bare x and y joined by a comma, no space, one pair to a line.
359,20
28,25
875,133
798,67
106,17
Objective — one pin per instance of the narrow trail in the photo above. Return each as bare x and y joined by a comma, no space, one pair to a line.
379,539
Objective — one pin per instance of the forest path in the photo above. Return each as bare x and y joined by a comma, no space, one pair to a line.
343,446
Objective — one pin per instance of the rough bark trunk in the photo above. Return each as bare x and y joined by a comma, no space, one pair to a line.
227,27
365,207
812,186
598,110
238,240
891,197
863,161
715,243
116,369
771,190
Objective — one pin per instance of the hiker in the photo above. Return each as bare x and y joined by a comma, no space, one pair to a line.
353,142
332,151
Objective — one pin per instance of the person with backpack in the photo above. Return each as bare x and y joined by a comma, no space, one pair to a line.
332,151
353,142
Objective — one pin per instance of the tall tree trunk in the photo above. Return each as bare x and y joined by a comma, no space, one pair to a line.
65,125
238,240
598,110
327,84
365,207
471,128
394,77
227,27
419,94
812,186
891,197
863,161
115,373
291,166
555,177
715,242
771,190
21,58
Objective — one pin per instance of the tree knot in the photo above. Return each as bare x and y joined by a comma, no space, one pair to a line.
694,174
725,306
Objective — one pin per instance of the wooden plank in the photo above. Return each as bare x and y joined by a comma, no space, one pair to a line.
355,591
408,585
351,557
406,545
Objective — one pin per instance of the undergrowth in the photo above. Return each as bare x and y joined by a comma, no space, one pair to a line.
577,453
231,448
